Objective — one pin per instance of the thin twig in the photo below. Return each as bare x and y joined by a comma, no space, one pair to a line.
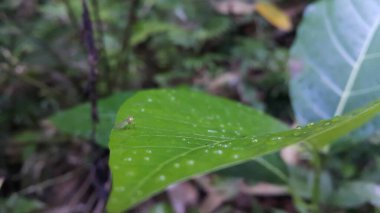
81,191
101,43
71,15
47,183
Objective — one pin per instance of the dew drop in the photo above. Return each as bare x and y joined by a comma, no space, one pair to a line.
120,189
148,151
142,110
206,150
147,158
150,100
298,127
327,123
219,152
190,162
211,131
254,140
162,177
310,124
130,174
177,165
128,159
296,134
276,138
236,156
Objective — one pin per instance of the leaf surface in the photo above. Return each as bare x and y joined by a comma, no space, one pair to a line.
177,134
335,60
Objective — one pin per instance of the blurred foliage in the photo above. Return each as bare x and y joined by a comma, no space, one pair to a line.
39,76
18,204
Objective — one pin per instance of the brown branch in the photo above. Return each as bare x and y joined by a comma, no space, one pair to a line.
92,58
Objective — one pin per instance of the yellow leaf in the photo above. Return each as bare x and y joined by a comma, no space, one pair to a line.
274,15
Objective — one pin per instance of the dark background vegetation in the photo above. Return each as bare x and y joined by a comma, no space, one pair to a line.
53,56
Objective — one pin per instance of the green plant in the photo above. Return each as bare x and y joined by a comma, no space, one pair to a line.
313,79
219,46
178,134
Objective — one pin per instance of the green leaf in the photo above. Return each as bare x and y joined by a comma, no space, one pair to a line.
335,61
356,193
77,121
144,29
19,204
177,134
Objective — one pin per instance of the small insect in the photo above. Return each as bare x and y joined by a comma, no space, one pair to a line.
128,122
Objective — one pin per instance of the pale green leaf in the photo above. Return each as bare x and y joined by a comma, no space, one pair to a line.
335,60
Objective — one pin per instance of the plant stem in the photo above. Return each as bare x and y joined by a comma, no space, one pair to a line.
101,44
92,58
296,198
273,169
71,15
316,160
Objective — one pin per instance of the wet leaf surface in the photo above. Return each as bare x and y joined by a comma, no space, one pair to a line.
178,134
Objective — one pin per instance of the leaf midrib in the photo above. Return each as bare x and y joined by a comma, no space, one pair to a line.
356,69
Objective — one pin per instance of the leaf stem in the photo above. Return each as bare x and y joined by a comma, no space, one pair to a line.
297,199
316,161
273,169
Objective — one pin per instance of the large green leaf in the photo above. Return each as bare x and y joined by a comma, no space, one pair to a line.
77,121
179,134
336,59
